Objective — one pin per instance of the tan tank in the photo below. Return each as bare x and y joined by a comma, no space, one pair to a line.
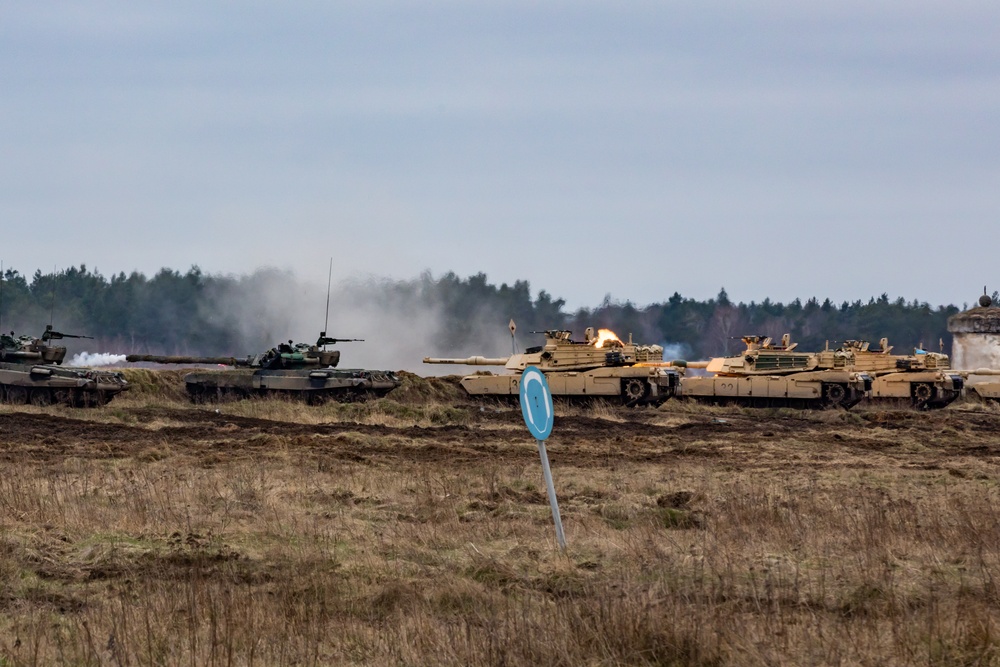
600,366
767,375
982,383
924,379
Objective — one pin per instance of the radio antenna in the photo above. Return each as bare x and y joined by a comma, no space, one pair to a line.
1,295
329,280
52,301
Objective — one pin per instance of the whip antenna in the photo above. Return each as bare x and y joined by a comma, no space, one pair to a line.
329,280
1,295
52,301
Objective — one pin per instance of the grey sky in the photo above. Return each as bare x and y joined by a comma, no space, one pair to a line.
778,149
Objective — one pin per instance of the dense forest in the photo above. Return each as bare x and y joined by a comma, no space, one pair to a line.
199,313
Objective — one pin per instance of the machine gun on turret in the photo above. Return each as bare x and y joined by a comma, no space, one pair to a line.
58,335
324,340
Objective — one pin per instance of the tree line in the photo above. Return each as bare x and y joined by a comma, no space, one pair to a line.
199,313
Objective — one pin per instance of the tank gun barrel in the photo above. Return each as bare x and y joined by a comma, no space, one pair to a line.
468,361
20,354
676,363
160,359
977,371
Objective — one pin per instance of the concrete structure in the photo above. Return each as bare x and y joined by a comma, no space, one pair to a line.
976,335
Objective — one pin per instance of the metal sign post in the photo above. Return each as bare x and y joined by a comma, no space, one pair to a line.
536,407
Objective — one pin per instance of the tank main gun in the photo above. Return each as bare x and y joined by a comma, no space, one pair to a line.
679,363
978,371
163,359
469,361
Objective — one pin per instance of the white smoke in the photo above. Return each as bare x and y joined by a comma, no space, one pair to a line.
673,351
92,359
399,323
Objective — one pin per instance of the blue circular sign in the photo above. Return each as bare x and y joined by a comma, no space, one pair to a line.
536,403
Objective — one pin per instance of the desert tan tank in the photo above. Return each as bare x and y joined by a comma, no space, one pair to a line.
982,383
924,379
600,366
767,375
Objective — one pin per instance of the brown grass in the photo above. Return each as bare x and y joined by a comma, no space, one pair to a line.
717,537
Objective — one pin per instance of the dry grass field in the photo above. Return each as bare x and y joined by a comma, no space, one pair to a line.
415,530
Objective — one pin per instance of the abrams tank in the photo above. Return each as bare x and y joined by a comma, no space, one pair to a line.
600,366
924,379
290,369
982,383
767,375
31,371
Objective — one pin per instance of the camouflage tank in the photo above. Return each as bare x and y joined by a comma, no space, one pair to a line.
31,371
601,366
924,379
290,369
767,375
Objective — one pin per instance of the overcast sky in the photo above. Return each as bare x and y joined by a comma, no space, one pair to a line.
778,149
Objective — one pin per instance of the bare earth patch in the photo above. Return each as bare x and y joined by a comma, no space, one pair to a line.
416,530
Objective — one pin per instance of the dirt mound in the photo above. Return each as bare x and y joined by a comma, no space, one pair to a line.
145,382
417,389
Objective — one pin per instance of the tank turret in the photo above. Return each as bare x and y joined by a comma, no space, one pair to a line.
601,365
762,357
304,369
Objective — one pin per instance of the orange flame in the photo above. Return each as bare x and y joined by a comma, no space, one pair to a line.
606,336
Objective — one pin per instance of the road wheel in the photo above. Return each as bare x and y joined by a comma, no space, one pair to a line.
634,390
41,397
63,396
922,393
17,395
834,394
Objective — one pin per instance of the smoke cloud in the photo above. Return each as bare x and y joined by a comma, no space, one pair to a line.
399,322
93,359
673,351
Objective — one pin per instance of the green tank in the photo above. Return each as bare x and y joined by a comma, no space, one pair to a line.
290,369
31,371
